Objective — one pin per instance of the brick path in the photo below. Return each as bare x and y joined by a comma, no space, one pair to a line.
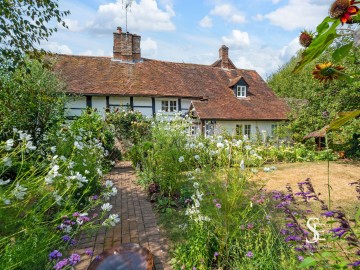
137,225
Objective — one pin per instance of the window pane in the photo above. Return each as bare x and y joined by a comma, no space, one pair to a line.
247,130
165,105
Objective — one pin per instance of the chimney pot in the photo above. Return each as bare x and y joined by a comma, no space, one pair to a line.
119,29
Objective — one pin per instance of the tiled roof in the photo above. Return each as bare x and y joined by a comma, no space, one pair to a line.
102,76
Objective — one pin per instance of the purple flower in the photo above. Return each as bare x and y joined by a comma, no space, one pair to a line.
94,198
216,254
55,255
218,205
250,226
283,231
354,263
214,200
290,225
73,242
328,214
300,258
89,252
76,214
61,264
66,238
74,259
292,238
249,254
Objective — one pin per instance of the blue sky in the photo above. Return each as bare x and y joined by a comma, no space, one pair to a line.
261,34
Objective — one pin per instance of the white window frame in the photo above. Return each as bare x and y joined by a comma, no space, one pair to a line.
241,91
247,130
169,105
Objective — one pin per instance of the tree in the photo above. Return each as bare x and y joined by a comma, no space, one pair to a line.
30,101
23,25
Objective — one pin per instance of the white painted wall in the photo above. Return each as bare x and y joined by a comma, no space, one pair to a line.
230,126
142,101
99,102
75,106
185,105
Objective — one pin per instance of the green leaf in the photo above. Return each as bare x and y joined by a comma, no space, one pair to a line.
318,45
343,119
342,52
357,217
324,25
307,262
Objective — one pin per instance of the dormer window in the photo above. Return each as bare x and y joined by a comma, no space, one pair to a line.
240,91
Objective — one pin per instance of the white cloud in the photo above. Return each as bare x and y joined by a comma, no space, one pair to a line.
258,17
299,14
73,25
290,50
55,47
228,12
237,39
142,16
206,22
149,48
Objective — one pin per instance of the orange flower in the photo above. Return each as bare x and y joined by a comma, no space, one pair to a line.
344,10
305,38
326,72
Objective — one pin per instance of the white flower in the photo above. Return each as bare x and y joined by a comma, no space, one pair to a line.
266,169
24,136
106,207
196,203
181,159
2,182
53,149
98,170
254,170
7,202
272,168
199,195
63,158
201,145
87,172
7,161
57,197
196,185
78,145
30,146
111,220
242,165
197,157
212,153
109,183
9,144
71,164
19,191
247,147
113,191
220,145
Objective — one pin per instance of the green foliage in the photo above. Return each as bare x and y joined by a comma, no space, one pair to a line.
32,102
326,35
44,189
23,25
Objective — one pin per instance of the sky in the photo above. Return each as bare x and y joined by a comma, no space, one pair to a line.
261,34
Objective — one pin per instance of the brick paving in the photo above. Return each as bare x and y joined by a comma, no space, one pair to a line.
137,225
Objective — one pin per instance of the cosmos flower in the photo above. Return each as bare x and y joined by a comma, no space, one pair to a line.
326,72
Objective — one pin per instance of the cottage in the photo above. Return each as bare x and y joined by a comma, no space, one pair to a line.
219,96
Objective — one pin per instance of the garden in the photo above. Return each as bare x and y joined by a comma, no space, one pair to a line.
224,201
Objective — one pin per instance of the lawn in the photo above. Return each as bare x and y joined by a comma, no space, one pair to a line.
341,174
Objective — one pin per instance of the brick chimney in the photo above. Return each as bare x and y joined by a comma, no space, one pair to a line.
224,56
126,47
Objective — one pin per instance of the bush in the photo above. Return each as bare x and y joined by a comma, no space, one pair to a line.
31,99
